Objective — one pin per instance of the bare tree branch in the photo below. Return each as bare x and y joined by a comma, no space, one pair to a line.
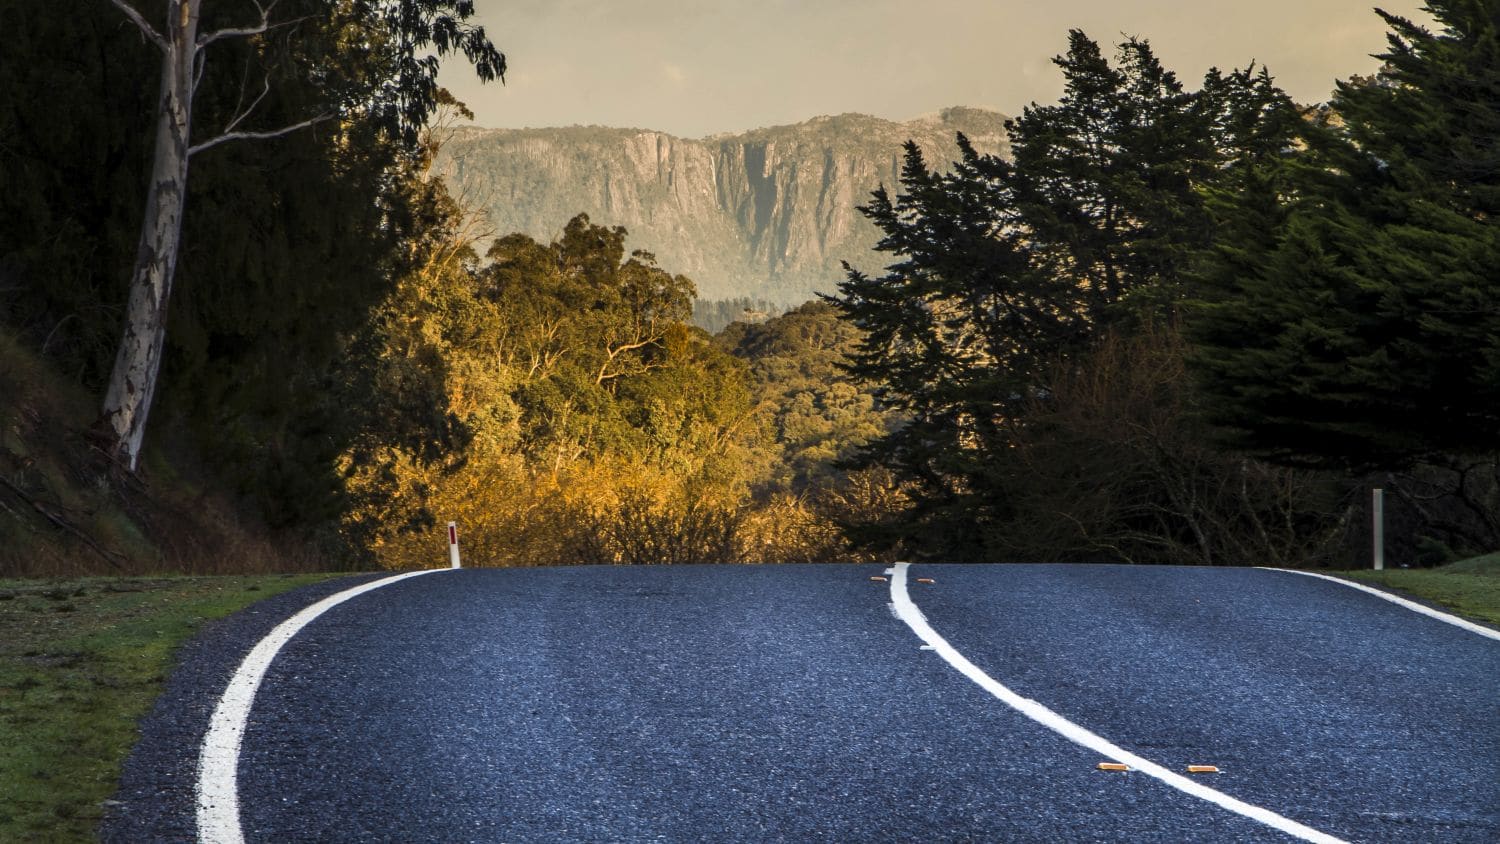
243,31
613,354
239,118
140,23
198,64
244,136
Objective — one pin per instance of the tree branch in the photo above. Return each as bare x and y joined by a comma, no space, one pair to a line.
239,118
243,31
612,354
111,557
198,65
257,136
140,23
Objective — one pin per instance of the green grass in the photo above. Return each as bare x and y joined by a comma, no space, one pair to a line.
1470,588
81,661
1488,564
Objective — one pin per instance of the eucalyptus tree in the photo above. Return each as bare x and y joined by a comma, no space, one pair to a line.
400,93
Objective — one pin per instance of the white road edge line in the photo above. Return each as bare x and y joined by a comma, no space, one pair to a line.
908,612
1396,599
218,760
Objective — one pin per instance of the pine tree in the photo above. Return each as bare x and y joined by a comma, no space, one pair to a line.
1349,314
1008,267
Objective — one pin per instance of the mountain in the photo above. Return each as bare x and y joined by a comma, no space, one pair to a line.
767,213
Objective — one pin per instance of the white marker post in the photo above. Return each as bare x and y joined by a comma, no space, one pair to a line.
453,544
1377,510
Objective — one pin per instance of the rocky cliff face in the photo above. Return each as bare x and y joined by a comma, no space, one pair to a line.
769,213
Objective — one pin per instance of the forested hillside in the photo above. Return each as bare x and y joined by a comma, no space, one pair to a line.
286,245
343,371
1150,322
587,422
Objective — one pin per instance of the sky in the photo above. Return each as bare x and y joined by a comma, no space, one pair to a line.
698,67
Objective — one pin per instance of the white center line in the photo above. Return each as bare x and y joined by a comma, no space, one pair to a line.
218,760
907,611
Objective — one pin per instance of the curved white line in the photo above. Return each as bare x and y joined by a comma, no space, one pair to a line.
908,612
1396,599
218,760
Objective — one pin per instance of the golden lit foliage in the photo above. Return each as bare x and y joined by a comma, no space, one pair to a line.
557,407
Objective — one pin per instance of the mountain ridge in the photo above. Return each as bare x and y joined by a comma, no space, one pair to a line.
766,213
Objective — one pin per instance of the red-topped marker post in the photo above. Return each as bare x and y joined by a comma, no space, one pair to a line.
453,544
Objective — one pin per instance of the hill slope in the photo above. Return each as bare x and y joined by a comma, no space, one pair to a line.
768,213
64,511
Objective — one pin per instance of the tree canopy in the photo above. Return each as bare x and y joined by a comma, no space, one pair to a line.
1349,312
582,419
288,244
1007,267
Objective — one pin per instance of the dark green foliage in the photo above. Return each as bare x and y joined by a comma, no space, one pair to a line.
76,95
1350,313
819,415
1104,180
598,340
1008,268
288,243
410,97
947,333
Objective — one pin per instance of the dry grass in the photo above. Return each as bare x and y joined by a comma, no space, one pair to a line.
66,511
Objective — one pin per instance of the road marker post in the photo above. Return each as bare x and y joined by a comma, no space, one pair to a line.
453,545
1377,518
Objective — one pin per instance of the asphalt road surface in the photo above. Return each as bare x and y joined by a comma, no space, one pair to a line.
801,703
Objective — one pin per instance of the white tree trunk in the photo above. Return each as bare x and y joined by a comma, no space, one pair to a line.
132,383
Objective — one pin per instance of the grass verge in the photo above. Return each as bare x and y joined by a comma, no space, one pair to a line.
81,661
1470,588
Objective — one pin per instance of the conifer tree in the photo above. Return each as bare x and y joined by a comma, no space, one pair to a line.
1349,314
1007,267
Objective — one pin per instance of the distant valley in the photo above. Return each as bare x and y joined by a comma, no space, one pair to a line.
767,214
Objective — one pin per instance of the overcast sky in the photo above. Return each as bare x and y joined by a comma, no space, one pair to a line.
698,67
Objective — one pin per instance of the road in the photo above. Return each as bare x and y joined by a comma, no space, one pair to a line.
791,703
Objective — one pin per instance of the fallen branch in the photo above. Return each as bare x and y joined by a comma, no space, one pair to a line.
109,556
